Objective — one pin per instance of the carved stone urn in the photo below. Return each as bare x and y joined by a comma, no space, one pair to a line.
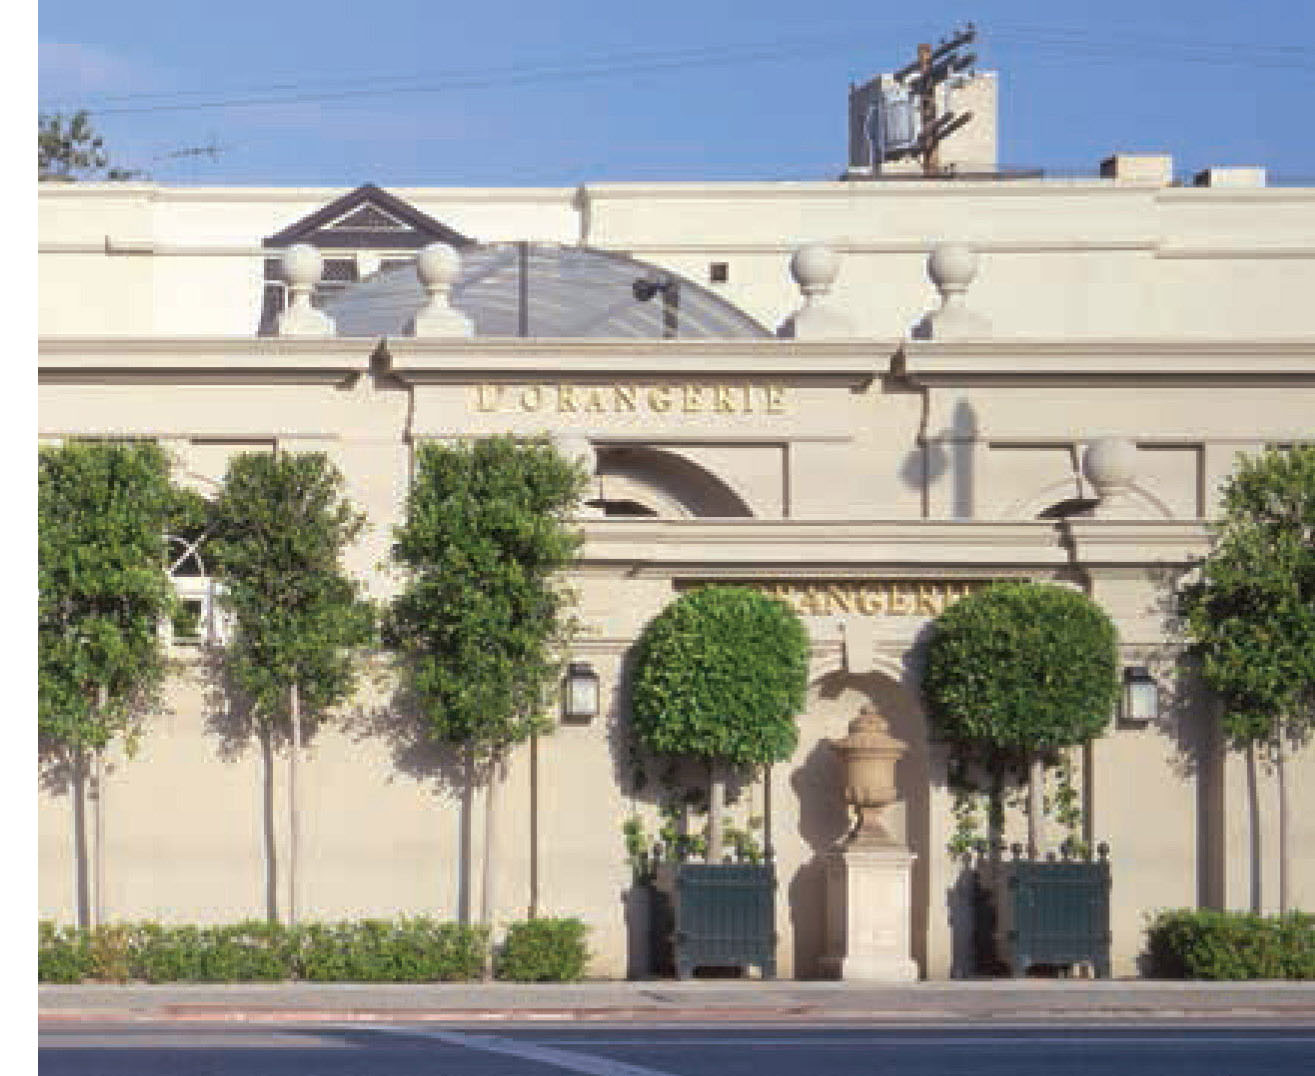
869,754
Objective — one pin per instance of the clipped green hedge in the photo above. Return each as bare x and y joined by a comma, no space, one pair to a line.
368,950
543,951
390,951
1205,944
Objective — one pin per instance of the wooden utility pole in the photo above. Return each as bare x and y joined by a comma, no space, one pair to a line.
923,76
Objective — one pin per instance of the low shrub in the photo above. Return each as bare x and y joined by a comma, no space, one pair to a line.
371,950
251,951
543,951
62,955
404,950
1207,944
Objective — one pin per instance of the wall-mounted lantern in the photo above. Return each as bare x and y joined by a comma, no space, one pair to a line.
580,692
1141,697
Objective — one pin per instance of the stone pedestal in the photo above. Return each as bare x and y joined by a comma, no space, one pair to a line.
868,914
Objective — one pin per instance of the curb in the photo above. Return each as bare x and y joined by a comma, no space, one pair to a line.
182,1014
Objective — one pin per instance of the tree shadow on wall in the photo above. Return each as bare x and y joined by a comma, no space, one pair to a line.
824,821
947,452
448,772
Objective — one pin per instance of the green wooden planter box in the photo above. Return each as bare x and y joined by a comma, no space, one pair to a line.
1044,912
715,915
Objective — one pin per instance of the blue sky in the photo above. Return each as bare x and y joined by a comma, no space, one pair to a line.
493,93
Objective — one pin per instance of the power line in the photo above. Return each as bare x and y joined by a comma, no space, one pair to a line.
1070,42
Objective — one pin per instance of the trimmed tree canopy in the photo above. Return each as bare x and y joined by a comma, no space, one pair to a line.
279,528
1252,617
103,509
720,674
1020,667
483,620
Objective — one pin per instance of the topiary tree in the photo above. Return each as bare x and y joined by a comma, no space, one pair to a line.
482,624
277,534
1252,615
103,509
720,675
1017,671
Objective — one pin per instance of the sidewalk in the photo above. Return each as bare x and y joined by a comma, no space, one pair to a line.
1006,1001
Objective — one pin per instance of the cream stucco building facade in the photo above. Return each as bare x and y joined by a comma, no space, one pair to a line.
869,464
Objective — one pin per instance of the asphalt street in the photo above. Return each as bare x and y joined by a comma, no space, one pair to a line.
399,1049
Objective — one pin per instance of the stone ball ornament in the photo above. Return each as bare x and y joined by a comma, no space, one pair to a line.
1110,464
952,266
814,267
302,265
438,265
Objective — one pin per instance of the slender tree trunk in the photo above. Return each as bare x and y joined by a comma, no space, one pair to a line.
716,800
98,786
1284,814
81,864
488,896
466,837
767,812
98,840
995,812
1036,787
534,827
1257,844
270,830
294,816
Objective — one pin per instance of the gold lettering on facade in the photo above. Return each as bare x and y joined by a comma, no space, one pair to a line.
872,599
863,597
931,600
618,399
814,601
841,598
901,600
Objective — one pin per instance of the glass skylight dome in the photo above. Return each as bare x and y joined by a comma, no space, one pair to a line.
546,290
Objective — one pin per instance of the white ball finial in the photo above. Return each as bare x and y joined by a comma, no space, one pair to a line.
1109,464
438,265
302,265
952,267
814,267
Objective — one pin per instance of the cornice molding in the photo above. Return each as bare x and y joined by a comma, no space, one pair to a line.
1205,251
173,360
849,362
1022,358
820,549
909,245
316,195
849,189
112,245
1114,542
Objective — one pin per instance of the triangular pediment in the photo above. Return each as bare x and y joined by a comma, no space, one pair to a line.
368,218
